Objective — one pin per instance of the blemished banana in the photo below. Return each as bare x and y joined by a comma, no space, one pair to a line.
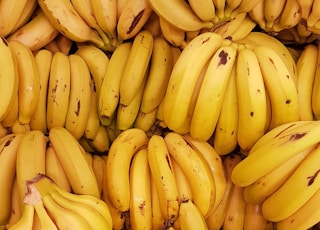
17,127
290,143
71,156
110,88
85,10
211,94
272,11
10,12
29,81
315,89
225,136
97,62
134,15
67,21
58,90
254,218
163,176
280,85
10,81
30,159
183,17
55,171
196,169
161,64
302,184
79,100
136,66
140,191
158,220
262,188
184,76
26,220
35,34
252,103
101,142
306,69
191,217
204,9
39,119
8,155
120,155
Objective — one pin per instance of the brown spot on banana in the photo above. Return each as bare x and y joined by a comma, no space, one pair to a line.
135,21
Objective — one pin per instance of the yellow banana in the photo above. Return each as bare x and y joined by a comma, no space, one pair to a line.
44,218
58,91
272,11
98,167
247,26
39,119
79,101
136,66
184,77
26,220
72,158
257,14
15,209
145,121
153,25
191,217
85,10
163,176
314,14
140,191
110,86
101,143
35,34
229,6
204,9
211,94
174,35
254,218
244,6
305,7
196,169
120,155
315,89
158,220
29,81
64,44
219,9
17,127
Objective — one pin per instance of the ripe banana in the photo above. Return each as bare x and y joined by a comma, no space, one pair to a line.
272,11
64,44
29,81
191,217
146,121
315,89
257,14
101,142
174,35
79,100
158,220
212,90
98,167
120,155
58,91
16,209
153,25
204,9
184,76
305,7
314,14
244,6
72,158
254,218
26,220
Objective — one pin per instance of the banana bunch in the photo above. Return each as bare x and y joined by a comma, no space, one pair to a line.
283,181
151,182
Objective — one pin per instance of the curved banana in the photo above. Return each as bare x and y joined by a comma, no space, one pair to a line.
29,81
158,220
136,66
272,11
64,44
314,14
244,6
35,34
16,209
305,7
44,217
72,158
26,220
229,6
163,176
315,88
98,167
101,142
174,35
120,154
191,217
80,92
212,90
257,14
204,9
196,169
184,76
254,218
146,121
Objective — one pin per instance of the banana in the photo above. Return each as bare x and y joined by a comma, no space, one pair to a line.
16,209
182,17
8,156
10,80
280,85
220,6
224,138
67,21
215,163
254,218
204,9
244,6
315,89
196,169
146,121
71,156
52,46
174,35
17,127
272,11
120,155
35,34
251,98
191,217
229,6
136,66
58,90
212,90
306,69
80,92
164,178
247,26
153,25
64,44
257,14
305,7
44,218
302,183
110,86
97,62
98,167
29,81
55,171
134,15
290,143
184,76
140,191
39,119
314,14
30,159
101,142
85,10
158,220
26,220
265,186
161,65
10,12
3,130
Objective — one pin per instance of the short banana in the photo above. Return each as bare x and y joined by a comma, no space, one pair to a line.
289,17
191,217
145,121
101,142
44,217
174,35
16,209
26,220
305,7
272,11
244,6
254,218
204,9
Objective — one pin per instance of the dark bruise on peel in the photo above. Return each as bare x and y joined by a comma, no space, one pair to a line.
77,112
135,21
296,136
223,58
284,130
313,177
206,40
